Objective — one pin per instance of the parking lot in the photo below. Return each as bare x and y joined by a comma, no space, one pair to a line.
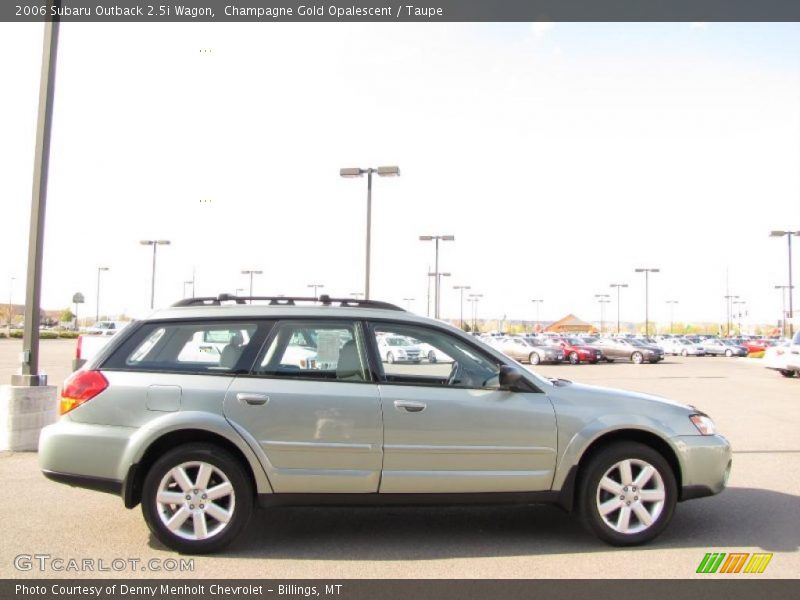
760,511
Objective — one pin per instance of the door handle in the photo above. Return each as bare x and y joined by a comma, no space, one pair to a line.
252,399
409,406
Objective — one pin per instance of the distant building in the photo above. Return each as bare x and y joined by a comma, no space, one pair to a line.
570,324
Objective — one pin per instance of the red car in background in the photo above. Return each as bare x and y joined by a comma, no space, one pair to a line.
754,345
576,352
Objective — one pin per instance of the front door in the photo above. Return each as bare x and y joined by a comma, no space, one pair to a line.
449,428
311,407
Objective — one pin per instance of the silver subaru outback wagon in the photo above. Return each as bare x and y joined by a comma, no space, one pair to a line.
212,407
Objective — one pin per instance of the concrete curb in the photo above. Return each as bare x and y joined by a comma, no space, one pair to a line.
24,411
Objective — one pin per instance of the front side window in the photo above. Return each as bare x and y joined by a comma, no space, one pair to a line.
190,347
432,357
315,350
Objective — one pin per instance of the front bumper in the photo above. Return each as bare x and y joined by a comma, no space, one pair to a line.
705,464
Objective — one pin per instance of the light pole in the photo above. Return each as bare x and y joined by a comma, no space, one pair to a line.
602,299
185,283
436,239
155,244
672,304
316,286
475,298
618,286
538,303
437,284
728,299
646,272
238,290
739,314
408,302
251,272
428,306
461,289
393,171
97,307
788,234
783,289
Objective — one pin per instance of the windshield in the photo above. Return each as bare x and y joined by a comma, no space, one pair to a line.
575,342
398,341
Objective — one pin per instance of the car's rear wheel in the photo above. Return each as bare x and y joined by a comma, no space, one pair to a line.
390,357
627,494
432,356
685,353
534,358
574,358
786,372
197,498
637,358
728,353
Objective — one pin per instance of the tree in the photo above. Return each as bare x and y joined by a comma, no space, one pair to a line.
66,316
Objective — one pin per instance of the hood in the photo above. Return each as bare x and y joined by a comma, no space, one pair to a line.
595,393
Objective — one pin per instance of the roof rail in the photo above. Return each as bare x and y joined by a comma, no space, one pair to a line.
323,299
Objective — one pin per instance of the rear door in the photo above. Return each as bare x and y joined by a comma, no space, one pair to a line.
312,408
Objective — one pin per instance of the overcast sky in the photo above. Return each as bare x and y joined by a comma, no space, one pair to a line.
560,156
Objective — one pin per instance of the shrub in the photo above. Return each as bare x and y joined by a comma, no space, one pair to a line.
16,334
68,335
47,335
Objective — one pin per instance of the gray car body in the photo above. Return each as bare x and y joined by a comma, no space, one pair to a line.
535,447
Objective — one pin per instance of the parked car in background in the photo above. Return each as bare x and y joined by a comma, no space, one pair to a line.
682,347
106,327
395,348
526,350
717,347
784,357
629,349
753,345
577,351
431,354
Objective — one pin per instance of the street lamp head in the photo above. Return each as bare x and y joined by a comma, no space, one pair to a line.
425,238
163,242
448,238
445,274
102,268
391,171
351,172
779,233
619,285
147,242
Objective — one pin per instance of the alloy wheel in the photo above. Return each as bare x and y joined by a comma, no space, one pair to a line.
630,496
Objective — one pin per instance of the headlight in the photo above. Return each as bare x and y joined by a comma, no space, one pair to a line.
704,424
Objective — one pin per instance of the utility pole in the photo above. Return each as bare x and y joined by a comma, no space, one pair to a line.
618,286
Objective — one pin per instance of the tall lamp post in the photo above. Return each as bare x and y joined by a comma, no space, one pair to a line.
392,171
185,283
783,289
672,304
475,298
538,303
251,272
155,244
437,284
741,304
646,272
436,239
461,289
316,286
602,299
788,234
728,309
97,307
618,286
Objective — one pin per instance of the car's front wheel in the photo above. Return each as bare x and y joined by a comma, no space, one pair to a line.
685,353
534,358
390,358
574,358
728,353
627,494
786,372
196,498
432,356
637,358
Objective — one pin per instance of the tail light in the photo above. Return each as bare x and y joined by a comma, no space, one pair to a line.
81,387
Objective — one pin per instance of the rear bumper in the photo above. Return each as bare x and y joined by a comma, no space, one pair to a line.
706,464
98,484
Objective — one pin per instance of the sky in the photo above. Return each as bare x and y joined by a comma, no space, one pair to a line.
561,156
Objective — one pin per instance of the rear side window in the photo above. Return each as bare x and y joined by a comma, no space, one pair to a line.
192,347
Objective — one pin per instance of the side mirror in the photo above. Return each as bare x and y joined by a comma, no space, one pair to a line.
510,377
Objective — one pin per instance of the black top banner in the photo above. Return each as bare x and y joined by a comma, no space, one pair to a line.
152,11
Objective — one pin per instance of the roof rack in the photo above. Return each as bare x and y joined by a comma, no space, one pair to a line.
323,299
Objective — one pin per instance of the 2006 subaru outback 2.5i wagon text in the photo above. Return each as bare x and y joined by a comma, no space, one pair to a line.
205,409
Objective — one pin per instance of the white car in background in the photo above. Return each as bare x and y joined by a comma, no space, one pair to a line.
431,354
784,357
681,346
395,348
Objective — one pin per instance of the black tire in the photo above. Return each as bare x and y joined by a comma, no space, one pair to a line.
431,356
534,358
637,358
390,358
223,461
685,353
786,372
594,362
609,360
574,359
728,353
589,493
